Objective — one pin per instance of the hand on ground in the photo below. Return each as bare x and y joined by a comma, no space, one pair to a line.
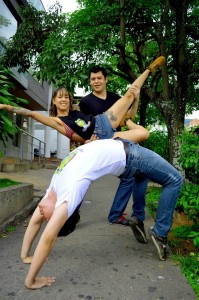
27,260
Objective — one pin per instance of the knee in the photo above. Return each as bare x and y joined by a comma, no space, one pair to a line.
144,134
48,238
178,180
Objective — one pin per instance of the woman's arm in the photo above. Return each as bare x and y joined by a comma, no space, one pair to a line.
77,138
52,122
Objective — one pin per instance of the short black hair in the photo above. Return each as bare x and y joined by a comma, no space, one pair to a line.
96,69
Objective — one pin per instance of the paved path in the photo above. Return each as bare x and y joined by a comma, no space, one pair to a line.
97,261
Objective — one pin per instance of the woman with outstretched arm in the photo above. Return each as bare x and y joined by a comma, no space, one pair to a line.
79,127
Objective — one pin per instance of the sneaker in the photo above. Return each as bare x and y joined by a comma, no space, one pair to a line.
122,221
158,62
138,230
160,243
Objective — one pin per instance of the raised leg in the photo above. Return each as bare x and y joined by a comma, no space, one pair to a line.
136,133
119,108
116,112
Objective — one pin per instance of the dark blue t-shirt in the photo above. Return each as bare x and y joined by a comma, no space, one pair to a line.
80,123
91,104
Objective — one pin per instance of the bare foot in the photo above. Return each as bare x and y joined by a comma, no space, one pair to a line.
27,260
40,282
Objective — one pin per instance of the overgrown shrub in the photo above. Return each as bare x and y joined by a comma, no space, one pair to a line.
188,201
158,142
189,153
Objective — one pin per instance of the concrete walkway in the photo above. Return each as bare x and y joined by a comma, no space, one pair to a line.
97,261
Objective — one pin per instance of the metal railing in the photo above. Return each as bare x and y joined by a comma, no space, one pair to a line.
28,145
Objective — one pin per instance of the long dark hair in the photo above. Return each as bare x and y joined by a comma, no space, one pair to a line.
62,91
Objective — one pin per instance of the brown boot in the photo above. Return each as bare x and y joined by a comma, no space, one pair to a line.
124,120
158,62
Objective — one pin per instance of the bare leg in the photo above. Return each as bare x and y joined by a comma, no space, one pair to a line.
44,247
30,234
119,109
136,133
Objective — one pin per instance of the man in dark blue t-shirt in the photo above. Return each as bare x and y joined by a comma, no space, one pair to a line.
97,102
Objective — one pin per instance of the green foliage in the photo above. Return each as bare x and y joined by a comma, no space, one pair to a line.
11,228
158,142
189,153
152,199
27,43
188,201
187,232
7,127
190,268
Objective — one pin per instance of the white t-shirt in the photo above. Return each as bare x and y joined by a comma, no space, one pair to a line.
84,165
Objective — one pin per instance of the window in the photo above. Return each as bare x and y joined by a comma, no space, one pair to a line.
8,23
37,4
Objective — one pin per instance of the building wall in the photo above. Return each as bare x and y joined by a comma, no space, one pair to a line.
25,86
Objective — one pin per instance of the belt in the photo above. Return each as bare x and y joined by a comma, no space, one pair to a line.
126,149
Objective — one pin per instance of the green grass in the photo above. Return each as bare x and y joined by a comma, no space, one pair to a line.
7,182
190,267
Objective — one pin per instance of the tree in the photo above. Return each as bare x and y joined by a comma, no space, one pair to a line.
125,36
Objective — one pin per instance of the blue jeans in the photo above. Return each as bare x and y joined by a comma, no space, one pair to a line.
136,186
103,128
146,163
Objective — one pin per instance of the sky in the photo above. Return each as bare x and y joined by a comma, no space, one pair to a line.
67,5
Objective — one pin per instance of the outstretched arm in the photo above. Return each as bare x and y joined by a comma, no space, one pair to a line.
30,234
52,122
46,120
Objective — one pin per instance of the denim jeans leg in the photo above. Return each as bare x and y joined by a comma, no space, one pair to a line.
166,206
121,199
139,193
147,163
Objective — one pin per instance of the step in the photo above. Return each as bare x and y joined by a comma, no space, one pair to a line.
9,160
14,167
